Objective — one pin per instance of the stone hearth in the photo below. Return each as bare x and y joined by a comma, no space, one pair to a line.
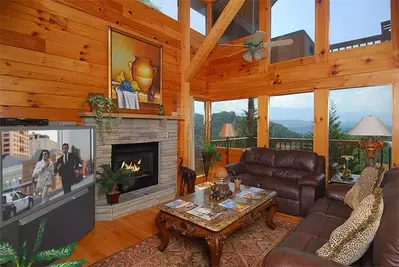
133,129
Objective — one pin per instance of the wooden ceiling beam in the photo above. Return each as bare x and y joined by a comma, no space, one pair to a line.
212,38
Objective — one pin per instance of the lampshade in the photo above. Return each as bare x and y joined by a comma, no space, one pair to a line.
248,56
370,126
228,130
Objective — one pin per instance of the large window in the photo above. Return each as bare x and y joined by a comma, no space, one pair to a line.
358,23
199,135
244,23
198,16
291,121
293,19
168,7
347,108
243,114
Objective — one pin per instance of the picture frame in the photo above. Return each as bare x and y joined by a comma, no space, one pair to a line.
134,70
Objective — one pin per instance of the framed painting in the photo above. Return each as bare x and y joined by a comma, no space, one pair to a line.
134,70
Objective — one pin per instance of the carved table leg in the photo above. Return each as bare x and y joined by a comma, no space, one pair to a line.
160,221
215,243
270,215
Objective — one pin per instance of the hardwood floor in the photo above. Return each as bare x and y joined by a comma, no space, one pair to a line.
109,237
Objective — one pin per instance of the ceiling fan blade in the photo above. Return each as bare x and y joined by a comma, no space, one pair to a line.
259,54
257,38
233,45
278,43
237,52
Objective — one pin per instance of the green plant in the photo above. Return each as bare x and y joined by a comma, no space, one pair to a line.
108,179
100,104
210,148
9,254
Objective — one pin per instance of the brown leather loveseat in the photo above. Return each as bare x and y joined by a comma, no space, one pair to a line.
328,213
298,177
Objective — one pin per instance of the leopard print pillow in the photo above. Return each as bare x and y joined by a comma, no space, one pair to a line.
369,179
351,240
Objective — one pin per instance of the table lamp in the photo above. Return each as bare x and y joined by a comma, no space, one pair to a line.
370,126
228,130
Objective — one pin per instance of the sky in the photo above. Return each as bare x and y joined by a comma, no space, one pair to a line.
349,19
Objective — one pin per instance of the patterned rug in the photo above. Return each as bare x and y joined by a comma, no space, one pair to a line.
245,247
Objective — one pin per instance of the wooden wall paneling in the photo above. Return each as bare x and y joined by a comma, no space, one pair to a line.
184,17
263,121
321,128
213,37
395,23
26,41
395,125
322,45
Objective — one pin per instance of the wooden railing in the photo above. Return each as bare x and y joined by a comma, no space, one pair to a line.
385,36
338,149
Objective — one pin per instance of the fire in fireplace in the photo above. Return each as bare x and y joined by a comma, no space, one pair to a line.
141,159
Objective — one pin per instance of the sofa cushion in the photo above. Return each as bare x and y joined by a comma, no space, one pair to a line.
303,242
369,179
259,169
290,173
319,225
258,155
352,239
296,159
331,207
285,188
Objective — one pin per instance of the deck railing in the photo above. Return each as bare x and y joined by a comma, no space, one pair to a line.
338,150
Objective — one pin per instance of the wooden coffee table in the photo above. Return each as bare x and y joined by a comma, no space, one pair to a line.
215,231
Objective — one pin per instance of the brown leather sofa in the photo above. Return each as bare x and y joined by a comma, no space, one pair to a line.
297,176
299,248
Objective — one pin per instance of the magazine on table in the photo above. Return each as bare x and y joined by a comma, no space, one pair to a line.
204,185
181,204
204,213
251,193
233,205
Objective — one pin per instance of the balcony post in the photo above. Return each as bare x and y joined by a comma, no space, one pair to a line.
320,131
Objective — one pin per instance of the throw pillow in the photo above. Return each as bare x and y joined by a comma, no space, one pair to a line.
351,240
369,179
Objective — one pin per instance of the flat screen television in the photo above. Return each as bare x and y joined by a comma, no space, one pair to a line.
42,165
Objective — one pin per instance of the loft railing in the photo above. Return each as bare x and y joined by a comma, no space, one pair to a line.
385,36
338,150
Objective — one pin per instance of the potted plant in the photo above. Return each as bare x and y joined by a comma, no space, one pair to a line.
9,254
98,105
209,156
109,180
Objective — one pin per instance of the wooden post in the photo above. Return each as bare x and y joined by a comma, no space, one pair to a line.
263,121
208,117
184,18
321,129
322,46
395,125
264,25
208,15
395,24
213,37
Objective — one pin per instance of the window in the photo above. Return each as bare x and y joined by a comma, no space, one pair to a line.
168,7
243,114
352,26
245,23
199,135
293,19
291,121
198,16
347,108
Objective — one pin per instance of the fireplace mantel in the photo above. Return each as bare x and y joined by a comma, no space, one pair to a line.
134,116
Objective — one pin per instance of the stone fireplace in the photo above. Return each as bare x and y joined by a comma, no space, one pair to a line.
146,144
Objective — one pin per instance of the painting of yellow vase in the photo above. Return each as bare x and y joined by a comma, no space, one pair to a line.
134,70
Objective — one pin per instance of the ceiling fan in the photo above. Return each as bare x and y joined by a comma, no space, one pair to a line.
254,46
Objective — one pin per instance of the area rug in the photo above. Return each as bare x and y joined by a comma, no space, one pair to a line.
246,247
